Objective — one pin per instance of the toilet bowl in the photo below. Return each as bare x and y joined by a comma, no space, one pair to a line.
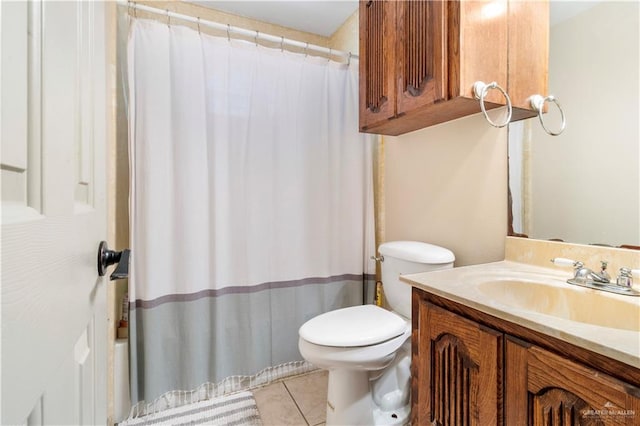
367,349
348,344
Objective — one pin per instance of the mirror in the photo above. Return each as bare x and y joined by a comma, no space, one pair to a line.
584,185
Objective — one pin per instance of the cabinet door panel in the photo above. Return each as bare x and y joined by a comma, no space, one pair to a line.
377,62
459,366
545,389
422,60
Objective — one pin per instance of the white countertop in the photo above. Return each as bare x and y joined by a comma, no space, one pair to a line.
471,286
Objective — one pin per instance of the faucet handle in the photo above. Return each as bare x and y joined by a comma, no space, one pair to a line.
625,277
603,270
625,272
562,261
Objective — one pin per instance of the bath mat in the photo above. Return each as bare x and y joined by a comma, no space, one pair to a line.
238,409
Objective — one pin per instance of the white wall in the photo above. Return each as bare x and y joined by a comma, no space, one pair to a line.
447,185
585,185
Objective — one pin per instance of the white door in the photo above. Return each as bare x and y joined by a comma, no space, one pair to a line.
52,163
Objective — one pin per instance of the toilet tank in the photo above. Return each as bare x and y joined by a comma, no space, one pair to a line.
408,257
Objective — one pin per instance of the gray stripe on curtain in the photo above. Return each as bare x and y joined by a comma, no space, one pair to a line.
176,344
146,304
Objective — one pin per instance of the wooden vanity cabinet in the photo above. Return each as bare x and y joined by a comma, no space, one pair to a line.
420,59
542,388
456,370
470,368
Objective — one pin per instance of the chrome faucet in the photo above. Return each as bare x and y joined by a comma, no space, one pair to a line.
584,274
586,277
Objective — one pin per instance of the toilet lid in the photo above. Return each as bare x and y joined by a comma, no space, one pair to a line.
355,326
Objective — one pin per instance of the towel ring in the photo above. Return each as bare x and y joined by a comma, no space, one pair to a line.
537,103
480,90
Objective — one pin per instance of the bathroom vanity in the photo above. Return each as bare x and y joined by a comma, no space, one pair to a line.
484,356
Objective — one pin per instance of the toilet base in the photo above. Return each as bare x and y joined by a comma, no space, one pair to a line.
349,398
350,402
397,417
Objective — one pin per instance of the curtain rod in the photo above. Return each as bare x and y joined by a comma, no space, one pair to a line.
237,30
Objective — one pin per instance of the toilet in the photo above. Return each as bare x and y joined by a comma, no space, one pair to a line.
367,349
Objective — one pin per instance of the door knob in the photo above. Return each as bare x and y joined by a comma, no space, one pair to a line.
107,257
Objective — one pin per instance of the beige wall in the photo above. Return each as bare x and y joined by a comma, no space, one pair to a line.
346,37
447,185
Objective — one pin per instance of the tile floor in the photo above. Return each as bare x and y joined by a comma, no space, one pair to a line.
299,400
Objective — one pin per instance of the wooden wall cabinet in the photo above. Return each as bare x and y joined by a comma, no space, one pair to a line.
470,368
419,59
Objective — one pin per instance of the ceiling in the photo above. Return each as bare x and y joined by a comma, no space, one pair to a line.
317,17
325,17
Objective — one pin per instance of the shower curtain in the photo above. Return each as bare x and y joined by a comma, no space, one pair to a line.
251,204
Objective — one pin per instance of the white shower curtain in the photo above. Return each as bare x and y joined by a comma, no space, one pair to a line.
251,203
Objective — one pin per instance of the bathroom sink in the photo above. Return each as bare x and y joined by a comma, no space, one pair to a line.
570,303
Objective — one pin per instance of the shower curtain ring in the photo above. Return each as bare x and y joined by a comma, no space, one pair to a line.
329,58
132,8
282,43
199,26
349,60
168,19
229,33
306,50
255,38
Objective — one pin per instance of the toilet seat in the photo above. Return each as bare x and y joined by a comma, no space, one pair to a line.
352,327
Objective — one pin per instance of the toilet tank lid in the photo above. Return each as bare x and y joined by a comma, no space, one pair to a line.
416,251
